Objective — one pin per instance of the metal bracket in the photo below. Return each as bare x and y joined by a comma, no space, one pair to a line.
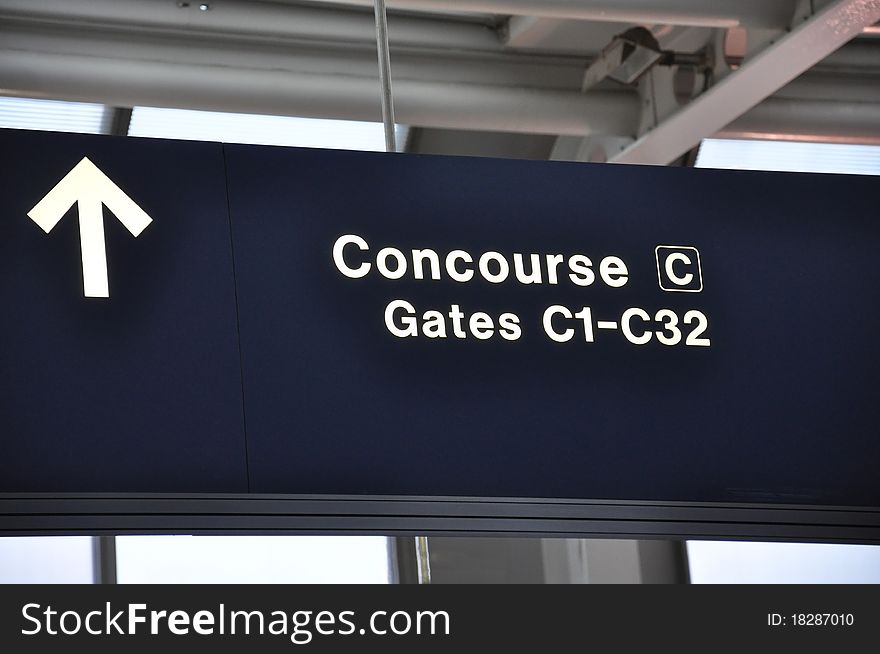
657,97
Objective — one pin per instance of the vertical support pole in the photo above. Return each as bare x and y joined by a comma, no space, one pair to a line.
403,555
424,559
104,553
118,120
385,75
404,560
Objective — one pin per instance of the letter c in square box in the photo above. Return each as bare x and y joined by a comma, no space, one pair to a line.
678,268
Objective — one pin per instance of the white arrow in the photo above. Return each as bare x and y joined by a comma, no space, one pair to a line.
90,188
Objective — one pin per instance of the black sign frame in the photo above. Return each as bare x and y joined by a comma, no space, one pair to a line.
103,514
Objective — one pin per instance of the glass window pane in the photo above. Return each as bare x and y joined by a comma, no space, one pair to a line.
714,562
46,560
54,115
256,129
252,559
789,156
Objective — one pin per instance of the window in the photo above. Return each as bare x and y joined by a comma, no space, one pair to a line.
252,559
47,560
782,563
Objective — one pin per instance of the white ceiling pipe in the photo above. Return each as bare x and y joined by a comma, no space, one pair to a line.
828,86
852,56
823,121
220,88
241,18
319,58
551,72
501,68
705,13
429,104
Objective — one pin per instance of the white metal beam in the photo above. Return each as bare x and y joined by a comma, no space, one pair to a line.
705,13
240,19
134,43
757,79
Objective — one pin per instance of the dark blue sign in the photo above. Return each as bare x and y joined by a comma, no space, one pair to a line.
141,390
405,325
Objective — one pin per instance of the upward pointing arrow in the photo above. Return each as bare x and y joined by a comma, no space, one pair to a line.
86,185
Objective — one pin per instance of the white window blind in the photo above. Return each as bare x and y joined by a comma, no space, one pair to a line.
256,129
252,559
46,560
52,115
713,562
789,156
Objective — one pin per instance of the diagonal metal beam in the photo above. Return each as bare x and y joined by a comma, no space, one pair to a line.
757,79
